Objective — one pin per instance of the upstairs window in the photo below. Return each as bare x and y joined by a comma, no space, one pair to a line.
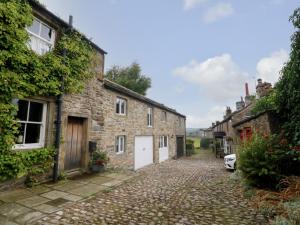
150,117
42,37
31,117
120,144
121,106
163,141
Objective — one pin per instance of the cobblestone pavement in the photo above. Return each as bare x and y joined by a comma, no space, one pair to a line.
193,190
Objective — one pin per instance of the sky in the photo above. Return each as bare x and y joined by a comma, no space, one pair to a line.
198,53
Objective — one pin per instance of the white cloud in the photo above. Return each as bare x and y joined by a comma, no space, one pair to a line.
190,4
217,12
219,78
205,120
268,68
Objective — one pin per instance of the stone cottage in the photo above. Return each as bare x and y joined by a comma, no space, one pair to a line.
135,131
239,125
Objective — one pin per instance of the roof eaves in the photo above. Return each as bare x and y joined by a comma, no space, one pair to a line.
116,87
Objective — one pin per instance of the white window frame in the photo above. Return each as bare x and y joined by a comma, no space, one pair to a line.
162,141
150,117
38,36
120,144
121,101
41,143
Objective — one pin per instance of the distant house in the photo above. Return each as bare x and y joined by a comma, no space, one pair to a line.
239,125
135,131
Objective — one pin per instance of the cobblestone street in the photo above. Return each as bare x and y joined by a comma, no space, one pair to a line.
193,190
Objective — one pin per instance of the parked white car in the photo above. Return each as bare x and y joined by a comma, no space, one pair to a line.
230,162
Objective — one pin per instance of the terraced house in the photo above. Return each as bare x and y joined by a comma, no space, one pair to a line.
134,130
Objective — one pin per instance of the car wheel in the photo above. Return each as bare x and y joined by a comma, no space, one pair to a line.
234,166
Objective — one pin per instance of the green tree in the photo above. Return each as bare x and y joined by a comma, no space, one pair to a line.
288,87
130,77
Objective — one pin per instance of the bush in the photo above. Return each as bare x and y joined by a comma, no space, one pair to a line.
190,147
264,161
205,143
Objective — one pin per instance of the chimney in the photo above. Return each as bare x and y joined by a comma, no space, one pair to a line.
240,104
228,112
247,89
248,99
263,88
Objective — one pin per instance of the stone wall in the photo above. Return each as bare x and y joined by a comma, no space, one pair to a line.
96,105
134,123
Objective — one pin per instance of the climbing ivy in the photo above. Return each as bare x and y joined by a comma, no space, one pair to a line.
23,73
266,103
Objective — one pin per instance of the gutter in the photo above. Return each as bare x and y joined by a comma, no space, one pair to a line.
59,102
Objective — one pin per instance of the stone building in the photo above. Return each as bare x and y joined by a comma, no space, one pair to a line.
135,131
239,125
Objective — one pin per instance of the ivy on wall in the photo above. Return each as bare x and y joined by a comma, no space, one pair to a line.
23,73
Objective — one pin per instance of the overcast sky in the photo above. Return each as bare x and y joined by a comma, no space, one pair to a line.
198,53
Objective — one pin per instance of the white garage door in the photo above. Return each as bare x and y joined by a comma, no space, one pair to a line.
163,148
143,152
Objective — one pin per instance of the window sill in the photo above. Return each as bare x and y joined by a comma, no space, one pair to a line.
19,147
119,153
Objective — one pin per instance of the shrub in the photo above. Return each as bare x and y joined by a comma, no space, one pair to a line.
205,143
189,147
264,161
99,158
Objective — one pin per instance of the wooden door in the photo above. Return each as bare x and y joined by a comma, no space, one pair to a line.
74,147
180,146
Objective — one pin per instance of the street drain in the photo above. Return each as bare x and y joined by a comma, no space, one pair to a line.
57,202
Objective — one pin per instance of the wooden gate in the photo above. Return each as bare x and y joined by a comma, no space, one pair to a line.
180,146
74,145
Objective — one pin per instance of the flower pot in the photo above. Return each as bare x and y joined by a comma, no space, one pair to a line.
98,168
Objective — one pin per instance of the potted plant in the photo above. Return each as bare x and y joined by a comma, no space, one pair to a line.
99,160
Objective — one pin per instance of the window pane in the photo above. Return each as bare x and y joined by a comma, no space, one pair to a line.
35,27
32,133
118,106
121,144
20,138
122,106
46,32
22,112
36,112
165,141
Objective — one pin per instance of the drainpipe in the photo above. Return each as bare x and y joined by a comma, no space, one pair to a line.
59,101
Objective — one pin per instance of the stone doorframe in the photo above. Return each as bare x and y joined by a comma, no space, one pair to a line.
85,152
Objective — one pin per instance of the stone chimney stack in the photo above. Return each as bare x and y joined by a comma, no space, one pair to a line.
247,97
228,112
240,104
262,88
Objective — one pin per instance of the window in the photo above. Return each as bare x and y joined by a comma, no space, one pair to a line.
163,142
41,37
164,116
179,121
121,106
120,144
31,116
150,117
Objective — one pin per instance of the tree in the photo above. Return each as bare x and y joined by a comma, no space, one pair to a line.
130,77
288,87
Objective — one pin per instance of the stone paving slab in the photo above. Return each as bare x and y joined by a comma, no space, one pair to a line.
24,206
28,218
12,210
87,190
33,201
15,195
